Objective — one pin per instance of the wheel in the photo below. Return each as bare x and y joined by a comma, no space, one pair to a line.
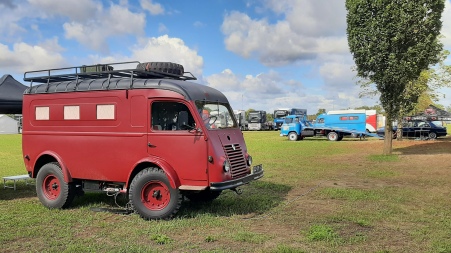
166,67
202,196
395,135
432,135
52,190
292,136
332,136
152,196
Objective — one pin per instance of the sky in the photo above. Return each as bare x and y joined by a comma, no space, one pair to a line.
263,55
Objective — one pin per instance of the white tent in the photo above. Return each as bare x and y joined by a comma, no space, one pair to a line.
8,125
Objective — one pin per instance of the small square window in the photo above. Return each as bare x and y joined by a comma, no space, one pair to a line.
72,112
42,113
105,112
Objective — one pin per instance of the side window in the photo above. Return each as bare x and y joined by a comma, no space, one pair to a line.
171,116
321,120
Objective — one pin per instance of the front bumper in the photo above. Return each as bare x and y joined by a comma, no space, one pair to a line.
257,173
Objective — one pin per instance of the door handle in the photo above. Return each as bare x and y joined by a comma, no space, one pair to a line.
150,145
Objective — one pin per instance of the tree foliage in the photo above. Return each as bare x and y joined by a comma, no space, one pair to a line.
392,41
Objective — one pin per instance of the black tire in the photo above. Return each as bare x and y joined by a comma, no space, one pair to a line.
52,190
432,135
202,196
152,197
165,67
292,136
332,136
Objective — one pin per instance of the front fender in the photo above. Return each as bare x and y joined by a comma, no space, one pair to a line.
160,163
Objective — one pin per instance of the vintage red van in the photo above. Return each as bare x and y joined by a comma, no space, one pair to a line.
144,131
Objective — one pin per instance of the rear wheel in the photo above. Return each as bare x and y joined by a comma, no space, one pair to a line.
292,136
332,136
152,196
52,190
202,196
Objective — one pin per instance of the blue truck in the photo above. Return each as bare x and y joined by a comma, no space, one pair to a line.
332,126
280,114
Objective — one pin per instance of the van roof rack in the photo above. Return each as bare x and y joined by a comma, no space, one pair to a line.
98,71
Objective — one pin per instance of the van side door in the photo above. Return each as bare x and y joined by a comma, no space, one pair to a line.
175,137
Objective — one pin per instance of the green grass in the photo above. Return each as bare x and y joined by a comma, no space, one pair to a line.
315,196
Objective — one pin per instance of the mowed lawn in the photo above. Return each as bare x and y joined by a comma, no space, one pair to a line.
316,196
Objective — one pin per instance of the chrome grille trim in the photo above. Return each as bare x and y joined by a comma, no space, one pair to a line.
237,161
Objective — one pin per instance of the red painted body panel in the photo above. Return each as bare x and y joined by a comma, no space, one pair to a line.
109,150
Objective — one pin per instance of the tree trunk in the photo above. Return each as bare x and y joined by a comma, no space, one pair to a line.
399,130
388,138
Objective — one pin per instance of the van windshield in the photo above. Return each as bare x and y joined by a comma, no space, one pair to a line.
216,115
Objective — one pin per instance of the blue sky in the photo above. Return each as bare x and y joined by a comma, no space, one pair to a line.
263,55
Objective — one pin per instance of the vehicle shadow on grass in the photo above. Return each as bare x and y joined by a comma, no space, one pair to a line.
257,198
22,191
427,147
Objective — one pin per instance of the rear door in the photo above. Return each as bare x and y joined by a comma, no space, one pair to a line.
172,136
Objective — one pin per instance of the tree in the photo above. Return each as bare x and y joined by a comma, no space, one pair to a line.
391,42
320,111
248,111
269,117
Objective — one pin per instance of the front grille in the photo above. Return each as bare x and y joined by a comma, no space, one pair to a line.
237,160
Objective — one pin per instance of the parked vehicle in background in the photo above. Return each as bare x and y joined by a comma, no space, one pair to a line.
371,118
332,126
257,121
417,129
240,116
280,114
147,132
223,118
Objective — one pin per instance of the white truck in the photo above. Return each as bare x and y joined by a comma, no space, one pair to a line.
240,116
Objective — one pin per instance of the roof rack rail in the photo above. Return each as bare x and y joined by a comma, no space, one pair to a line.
98,71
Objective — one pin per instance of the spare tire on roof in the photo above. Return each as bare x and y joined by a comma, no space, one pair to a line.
165,67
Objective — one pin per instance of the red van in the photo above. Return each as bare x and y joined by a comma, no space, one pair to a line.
145,131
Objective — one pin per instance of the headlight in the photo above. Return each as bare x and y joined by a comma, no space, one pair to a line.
226,166
249,160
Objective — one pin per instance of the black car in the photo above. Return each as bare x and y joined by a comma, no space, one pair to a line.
418,129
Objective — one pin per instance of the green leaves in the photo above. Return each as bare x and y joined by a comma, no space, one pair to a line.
392,42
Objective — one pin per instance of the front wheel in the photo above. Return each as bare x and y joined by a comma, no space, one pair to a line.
432,135
292,136
332,136
152,196
52,190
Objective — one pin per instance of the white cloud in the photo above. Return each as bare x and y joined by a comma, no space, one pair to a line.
301,36
24,57
116,21
151,7
162,28
166,49
446,28
75,10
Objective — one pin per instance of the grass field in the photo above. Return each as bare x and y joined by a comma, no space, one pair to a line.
316,196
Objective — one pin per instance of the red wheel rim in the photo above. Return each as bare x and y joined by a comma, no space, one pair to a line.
51,187
155,195
333,136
